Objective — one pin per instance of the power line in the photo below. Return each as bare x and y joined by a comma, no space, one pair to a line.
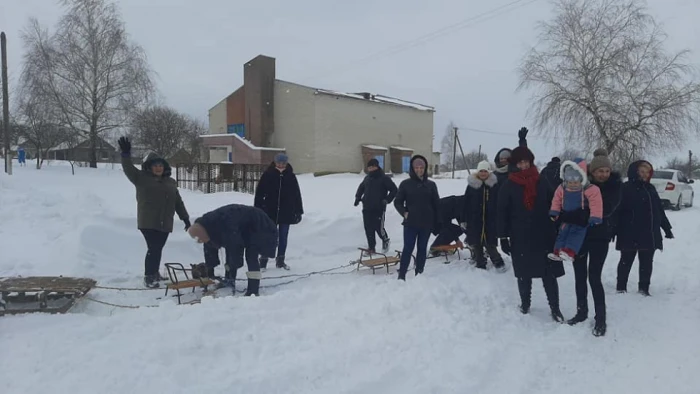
469,22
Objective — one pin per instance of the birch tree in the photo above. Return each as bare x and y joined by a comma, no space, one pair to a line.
94,73
602,78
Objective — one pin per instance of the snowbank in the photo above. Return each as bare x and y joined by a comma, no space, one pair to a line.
453,330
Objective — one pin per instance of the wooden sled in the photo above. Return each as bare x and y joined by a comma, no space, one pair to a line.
375,262
47,294
447,250
177,283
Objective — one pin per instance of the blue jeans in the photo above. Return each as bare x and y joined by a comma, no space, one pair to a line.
283,230
411,236
570,237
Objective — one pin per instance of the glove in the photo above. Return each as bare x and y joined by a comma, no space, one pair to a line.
669,234
297,218
505,246
522,133
187,224
594,222
357,202
125,146
554,218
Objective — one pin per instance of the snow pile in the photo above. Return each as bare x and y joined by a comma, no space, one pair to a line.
453,330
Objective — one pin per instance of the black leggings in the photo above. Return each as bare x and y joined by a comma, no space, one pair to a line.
589,265
155,240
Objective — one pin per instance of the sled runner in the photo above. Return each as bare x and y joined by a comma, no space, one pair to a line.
375,262
47,294
176,283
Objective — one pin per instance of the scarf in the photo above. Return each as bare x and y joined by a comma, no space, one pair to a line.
528,179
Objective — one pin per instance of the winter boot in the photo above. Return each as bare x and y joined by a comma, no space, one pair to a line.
402,276
160,278
479,257
581,316
386,245
253,283
279,262
499,265
210,273
551,288
525,290
644,290
600,328
368,253
150,282
263,264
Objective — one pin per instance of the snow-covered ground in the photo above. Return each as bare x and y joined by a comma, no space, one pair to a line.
453,330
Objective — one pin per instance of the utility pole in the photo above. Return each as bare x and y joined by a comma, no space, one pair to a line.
5,104
454,151
690,164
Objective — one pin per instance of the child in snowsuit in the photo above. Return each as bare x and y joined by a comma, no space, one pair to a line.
575,193
480,207
450,207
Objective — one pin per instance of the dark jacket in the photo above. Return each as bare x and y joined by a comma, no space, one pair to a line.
480,209
532,234
376,191
157,198
641,216
420,198
611,191
278,194
235,227
451,208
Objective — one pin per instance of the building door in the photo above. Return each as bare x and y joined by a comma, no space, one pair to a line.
405,163
380,159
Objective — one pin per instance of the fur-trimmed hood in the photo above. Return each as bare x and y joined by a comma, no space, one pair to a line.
475,183
577,164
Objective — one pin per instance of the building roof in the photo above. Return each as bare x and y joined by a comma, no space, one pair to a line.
403,148
375,147
377,98
245,141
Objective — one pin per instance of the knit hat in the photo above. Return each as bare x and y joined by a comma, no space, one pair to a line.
281,158
600,160
483,166
521,153
373,163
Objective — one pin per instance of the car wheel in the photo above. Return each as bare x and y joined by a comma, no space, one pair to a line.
679,204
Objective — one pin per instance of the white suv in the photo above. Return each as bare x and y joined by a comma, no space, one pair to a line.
673,188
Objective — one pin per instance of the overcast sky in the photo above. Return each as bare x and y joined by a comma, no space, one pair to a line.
198,49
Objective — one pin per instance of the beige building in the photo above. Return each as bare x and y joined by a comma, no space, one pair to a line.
320,130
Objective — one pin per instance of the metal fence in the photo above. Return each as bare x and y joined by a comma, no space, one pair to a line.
220,177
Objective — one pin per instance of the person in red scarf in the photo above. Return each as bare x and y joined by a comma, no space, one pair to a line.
526,231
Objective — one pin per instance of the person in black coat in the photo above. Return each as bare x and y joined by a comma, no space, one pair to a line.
418,203
641,219
526,232
501,160
480,207
376,191
279,195
591,258
242,231
450,208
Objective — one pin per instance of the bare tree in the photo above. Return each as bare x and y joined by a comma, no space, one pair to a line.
40,119
447,150
166,131
94,73
472,159
570,154
601,75
682,164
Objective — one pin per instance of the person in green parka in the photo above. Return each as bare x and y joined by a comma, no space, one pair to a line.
157,201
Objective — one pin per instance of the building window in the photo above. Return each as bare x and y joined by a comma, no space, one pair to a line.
238,129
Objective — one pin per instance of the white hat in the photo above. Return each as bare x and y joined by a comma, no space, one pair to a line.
484,166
